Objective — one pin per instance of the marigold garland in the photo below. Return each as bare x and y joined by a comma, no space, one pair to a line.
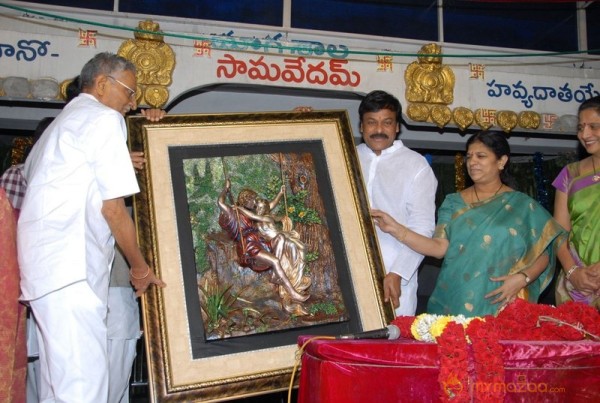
520,320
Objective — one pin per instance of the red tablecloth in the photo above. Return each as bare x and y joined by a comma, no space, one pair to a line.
407,371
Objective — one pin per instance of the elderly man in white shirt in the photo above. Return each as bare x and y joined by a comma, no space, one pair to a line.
78,174
401,183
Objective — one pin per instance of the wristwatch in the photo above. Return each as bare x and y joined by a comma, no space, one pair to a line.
527,279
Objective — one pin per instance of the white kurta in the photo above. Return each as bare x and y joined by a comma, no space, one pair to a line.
81,160
401,183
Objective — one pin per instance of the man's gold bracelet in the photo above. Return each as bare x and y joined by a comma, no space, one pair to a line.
140,278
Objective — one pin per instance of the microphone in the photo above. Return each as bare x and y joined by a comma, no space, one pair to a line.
390,332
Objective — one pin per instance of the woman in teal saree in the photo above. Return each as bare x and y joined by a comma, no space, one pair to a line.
577,209
498,244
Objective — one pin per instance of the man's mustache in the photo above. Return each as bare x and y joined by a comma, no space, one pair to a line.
379,136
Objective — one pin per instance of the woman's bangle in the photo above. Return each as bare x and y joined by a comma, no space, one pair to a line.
140,278
403,235
571,270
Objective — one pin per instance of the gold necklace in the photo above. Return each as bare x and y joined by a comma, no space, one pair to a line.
596,177
501,184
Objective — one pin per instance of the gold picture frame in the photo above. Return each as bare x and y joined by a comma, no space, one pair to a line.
248,347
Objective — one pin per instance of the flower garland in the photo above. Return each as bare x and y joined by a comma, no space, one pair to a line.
520,320
487,354
454,364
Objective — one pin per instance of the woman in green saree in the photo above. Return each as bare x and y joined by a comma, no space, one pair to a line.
577,209
497,243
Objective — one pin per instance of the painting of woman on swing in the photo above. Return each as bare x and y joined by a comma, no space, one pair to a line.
264,257
261,246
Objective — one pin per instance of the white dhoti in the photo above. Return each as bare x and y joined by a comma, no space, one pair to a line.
72,345
123,333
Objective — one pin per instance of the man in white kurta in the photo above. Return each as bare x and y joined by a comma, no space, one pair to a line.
401,183
77,174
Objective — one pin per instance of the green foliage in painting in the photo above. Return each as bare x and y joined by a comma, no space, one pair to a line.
298,211
294,203
327,308
202,206
218,304
311,256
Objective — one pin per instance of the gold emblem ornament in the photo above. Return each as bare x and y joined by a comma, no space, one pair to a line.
155,62
440,115
463,117
429,87
418,112
507,120
529,120
428,80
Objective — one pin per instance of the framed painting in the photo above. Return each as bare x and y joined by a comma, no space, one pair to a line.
259,225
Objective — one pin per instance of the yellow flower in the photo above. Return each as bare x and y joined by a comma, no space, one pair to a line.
421,325
437,327
291,209
429,327
301,214
414,326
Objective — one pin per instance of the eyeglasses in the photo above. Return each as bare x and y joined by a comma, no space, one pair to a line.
129,90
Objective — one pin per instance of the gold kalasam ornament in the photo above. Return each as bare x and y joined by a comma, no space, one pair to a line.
418,112
507,120
463,117
428,80
529,120
155,62
440,115
485,118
